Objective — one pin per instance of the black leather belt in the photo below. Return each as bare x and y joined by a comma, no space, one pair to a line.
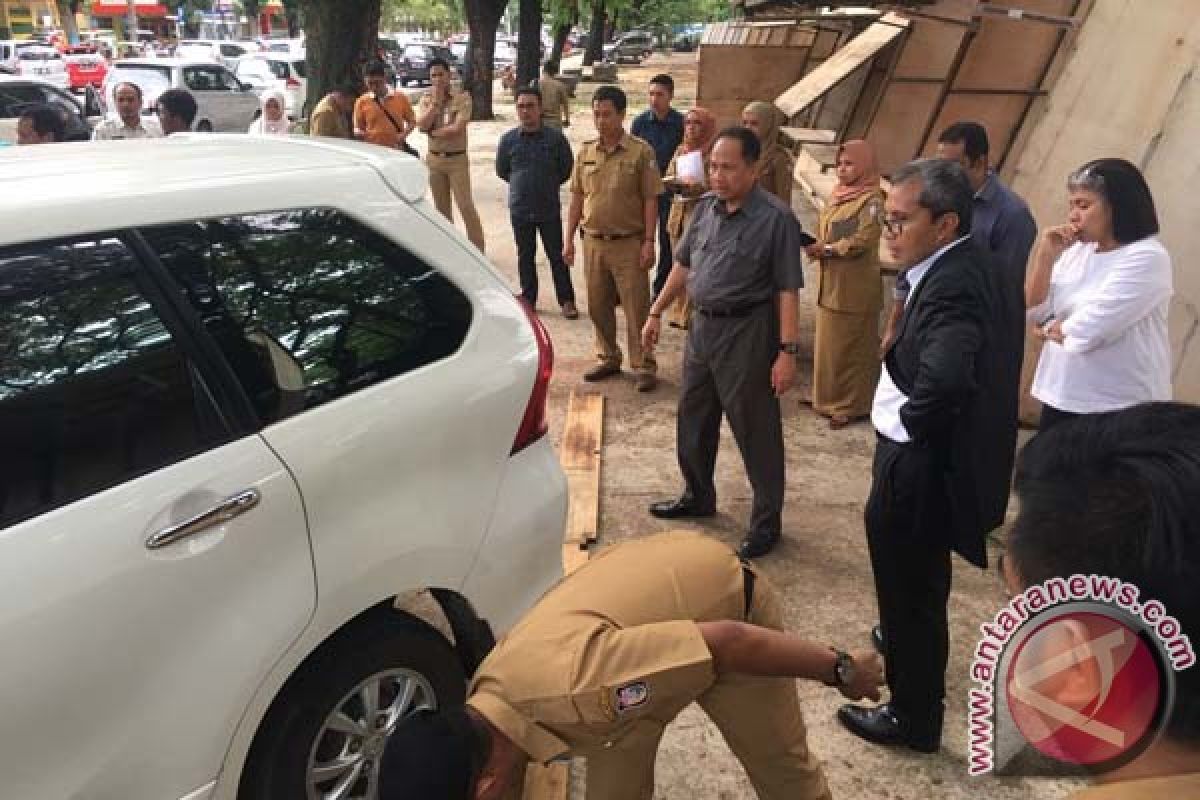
450,153
748,590
610,237
741,311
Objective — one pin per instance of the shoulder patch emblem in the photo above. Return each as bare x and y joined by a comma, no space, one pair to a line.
631,696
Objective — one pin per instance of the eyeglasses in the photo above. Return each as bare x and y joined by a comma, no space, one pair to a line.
894,226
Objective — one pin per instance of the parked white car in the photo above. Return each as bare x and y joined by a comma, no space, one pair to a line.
284,46
273,431
219,51
17,94
224,102
285,72
33,60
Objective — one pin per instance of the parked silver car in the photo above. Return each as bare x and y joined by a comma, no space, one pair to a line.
225,103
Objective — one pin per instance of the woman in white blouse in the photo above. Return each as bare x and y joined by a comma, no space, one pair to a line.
1097,294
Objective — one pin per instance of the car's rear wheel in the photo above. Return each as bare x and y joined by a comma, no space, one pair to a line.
323,737
205,126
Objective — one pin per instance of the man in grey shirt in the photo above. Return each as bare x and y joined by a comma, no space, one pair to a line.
741,262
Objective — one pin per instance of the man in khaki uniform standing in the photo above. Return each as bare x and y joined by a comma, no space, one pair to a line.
556,99
614,205
442,115
608,658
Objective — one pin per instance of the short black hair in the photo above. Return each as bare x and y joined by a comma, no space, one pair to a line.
944,188
46,120
613,95
1123,187
438,61
751,146
1114,495
348,88
434,754
971,135
131,85
665,80
550,67
180,103
375,68
531,91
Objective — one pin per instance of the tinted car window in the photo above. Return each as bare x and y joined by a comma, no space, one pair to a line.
93,389
279,69
301,68
204,79
309,305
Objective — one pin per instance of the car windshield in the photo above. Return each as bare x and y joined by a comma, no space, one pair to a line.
38,55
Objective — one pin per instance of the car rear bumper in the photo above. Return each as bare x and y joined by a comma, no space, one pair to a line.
521,556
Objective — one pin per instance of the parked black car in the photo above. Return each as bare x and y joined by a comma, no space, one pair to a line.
631,48
413,66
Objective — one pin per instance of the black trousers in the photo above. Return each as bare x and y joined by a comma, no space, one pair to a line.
910,555
663,270
1052,416
727,370
525,232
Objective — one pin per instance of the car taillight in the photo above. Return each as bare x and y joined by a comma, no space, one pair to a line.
292,83
533,424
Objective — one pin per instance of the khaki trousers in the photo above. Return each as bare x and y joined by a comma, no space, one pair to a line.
452,175
759,718
613,272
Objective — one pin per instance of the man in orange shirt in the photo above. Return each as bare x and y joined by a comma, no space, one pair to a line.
381,116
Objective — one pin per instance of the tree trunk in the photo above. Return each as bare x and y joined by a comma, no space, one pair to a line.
483,19
67,15
595,46
560,41
529,41
339,39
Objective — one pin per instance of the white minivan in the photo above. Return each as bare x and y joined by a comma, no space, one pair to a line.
275,467
223,103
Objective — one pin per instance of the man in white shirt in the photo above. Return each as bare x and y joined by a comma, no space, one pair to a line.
129,123
946,414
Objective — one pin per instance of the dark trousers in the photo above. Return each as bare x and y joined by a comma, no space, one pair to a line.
525,232
1052,416
910,556
727,369
663,270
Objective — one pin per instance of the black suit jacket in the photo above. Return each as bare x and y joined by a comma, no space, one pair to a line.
957,357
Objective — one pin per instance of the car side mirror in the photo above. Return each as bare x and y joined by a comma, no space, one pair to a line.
93,104
245,87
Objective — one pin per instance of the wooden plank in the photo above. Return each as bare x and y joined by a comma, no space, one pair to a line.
583,509
582,438
838,67
810,135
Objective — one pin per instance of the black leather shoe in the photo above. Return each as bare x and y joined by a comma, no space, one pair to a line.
758,544
877,639
881,726
679,508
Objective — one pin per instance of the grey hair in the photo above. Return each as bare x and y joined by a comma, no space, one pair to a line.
944,188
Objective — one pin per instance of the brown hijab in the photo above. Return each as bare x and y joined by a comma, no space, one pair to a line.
706,132
768,123
862,156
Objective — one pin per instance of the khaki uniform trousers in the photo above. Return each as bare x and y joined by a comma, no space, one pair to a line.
452,175
759,718
613,272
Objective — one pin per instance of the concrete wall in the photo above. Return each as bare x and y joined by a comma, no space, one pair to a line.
1130,87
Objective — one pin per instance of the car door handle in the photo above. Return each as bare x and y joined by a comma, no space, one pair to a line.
219,514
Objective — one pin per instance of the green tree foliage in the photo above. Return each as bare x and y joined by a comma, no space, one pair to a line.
432,15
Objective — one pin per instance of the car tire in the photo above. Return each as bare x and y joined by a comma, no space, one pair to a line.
295,735
204,126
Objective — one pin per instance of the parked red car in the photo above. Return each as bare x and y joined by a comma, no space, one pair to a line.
85,67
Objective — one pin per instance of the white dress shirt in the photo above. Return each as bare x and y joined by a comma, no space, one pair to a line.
112,128
885,411
1113,309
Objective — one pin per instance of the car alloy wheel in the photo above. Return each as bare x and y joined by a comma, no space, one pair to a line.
344,761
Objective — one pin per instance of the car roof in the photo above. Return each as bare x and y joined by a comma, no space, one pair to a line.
164,62
69,189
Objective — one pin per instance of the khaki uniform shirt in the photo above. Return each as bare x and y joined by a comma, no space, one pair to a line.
593,659
327,120
849,282
682,206
457,108
616,185
1172,787
777,173
556,102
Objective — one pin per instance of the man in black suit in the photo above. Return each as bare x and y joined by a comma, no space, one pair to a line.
946,416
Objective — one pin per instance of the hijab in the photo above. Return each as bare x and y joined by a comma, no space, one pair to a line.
707,132
266,126
768,122
863,156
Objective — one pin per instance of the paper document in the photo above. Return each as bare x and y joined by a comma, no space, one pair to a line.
689,167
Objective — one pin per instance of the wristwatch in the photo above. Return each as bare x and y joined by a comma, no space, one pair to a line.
844,669
791,348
